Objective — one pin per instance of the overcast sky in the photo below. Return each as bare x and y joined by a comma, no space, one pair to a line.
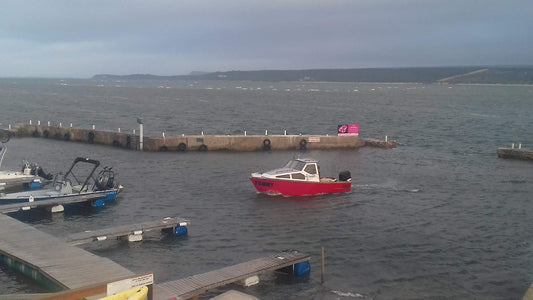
174,37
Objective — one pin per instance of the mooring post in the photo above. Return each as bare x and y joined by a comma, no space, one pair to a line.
38,122
119,130
140,121
386,138
266,132
60,124
30,122
520,146
323,273
70,125
245,133
9,126
284,132
48,123
512,145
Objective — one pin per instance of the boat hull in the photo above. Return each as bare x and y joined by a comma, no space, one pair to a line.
299,188
100,197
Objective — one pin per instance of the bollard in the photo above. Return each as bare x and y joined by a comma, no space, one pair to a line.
512,146
133,131
202,133
30,122
48,123
119,130
60,124
38,122
520,146
94,127
266,132
245,133
140,121
70,125
284,132
9,126
183,134
385,138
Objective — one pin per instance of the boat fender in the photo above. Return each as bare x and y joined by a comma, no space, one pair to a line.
303,144
180,230
345,176
5,136
266,145
46,134
90,137
203,148
182,147
66,136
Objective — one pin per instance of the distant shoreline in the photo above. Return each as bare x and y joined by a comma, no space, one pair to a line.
441,75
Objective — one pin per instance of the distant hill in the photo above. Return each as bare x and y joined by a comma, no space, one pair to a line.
443,75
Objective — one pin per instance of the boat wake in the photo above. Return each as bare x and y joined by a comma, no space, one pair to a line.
348,294
384,187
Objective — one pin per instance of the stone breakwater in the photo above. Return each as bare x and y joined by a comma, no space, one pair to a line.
198,142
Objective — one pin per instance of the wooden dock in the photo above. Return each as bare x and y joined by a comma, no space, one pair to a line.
36,254
62,266
124,231
198,284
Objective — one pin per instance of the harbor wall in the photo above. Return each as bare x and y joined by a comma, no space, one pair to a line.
514,153
199,142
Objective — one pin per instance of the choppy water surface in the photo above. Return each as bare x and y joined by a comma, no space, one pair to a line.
438,217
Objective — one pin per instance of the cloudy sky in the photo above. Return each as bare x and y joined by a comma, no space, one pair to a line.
59,38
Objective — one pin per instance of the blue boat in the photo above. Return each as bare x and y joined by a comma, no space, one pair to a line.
99,189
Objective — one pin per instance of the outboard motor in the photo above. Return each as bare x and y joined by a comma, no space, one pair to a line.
345,176
105,179
42,174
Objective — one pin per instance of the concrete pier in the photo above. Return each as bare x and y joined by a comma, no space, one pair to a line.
199,142
515,153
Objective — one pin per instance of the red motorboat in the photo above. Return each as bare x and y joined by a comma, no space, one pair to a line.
300,177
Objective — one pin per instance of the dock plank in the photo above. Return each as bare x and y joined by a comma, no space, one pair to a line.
66,265
197,284
124,230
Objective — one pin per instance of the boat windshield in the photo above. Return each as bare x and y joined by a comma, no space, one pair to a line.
295,164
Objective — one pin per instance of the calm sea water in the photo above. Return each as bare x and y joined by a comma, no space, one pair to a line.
438,217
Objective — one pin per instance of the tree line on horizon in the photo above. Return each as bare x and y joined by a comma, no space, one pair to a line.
442,75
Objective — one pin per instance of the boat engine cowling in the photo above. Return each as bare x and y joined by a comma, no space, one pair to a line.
105,179
345,176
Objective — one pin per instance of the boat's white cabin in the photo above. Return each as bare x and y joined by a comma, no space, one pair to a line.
304,169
